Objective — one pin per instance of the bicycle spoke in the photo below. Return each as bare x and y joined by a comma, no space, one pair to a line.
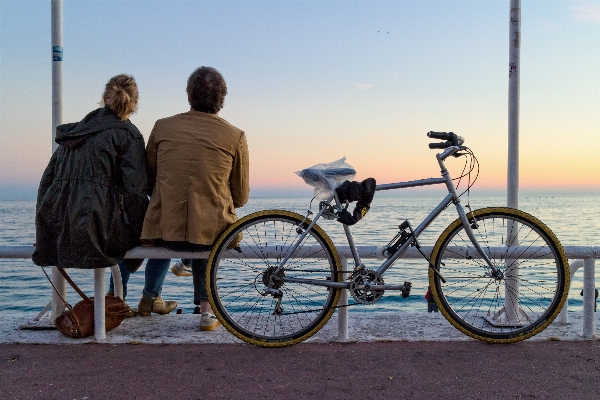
252,310
527,290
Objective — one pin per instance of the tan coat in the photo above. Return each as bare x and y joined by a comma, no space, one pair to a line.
198,163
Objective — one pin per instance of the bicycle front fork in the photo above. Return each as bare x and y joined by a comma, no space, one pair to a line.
469,226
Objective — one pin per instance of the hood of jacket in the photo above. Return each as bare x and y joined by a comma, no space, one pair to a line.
74,134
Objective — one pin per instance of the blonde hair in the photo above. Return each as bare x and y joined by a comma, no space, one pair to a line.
121,95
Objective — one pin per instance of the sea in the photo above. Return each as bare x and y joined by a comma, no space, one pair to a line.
574,218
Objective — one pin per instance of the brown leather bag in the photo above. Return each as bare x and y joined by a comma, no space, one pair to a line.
78,321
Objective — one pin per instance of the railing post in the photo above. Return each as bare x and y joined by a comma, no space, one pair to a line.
99,304
58,306
343,310
563,317
117,280
589,292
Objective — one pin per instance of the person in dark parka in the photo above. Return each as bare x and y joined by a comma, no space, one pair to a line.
94,193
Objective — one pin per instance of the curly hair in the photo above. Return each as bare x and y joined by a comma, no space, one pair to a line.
206,89
121,95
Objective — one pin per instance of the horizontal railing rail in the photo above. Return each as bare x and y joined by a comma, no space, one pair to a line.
579,255
572,252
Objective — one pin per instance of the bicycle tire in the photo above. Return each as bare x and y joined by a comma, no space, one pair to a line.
508,308
236,281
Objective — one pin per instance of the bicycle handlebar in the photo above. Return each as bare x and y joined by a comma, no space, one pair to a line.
451,139
441,135
441,145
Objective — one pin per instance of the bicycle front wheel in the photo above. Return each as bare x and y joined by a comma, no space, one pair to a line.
519,300
237,279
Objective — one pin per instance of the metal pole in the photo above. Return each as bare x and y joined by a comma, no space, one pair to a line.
563,317
343,310
589,296
99,304
57,53
511,305
513,103
57,56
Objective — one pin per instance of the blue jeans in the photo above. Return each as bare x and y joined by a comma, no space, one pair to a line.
155,273
198,276
198,265
156,270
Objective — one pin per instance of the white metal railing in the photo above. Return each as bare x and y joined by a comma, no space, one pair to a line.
580,255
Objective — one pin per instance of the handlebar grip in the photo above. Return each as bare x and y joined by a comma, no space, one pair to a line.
441,135
441,145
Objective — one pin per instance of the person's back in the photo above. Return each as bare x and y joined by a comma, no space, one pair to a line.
93,194
198,164
201,172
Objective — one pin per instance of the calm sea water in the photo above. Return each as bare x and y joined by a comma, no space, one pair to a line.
573,218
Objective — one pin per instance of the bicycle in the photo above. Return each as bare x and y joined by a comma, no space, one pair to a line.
497,274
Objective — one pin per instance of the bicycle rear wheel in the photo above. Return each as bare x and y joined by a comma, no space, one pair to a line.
520,301
237,281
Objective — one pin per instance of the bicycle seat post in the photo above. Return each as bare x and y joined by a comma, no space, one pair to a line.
357,261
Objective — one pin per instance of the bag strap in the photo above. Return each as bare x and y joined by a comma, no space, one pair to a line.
68,278
56,290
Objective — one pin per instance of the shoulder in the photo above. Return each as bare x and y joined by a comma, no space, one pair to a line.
234,135
133,130
198,119
172,119
168,125
126,134
231,127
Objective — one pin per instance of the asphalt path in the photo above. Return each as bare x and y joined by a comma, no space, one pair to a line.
375,370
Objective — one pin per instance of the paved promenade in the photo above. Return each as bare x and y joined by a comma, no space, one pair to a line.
390,356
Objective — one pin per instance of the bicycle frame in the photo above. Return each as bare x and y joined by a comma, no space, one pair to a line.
451,198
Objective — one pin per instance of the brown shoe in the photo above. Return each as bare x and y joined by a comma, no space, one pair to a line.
148,305
161,306
145,306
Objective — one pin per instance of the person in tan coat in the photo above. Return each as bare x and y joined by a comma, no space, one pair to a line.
198,166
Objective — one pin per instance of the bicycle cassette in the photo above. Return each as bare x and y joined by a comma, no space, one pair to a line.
361,286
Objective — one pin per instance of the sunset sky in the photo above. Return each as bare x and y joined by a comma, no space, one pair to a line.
312,81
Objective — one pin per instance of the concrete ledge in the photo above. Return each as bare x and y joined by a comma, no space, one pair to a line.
363,327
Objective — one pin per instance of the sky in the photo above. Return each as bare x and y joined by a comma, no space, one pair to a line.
313,81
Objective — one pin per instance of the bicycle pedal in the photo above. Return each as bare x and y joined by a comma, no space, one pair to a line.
406,291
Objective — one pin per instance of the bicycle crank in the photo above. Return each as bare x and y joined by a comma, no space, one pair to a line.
365,286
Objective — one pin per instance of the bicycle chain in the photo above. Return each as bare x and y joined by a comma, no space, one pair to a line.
316,270
328,308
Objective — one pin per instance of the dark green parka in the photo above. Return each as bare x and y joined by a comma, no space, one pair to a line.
93,194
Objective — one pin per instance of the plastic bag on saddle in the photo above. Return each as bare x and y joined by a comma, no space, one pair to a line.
325,178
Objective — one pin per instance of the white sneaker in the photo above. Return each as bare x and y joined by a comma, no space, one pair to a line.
208,322
180,269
